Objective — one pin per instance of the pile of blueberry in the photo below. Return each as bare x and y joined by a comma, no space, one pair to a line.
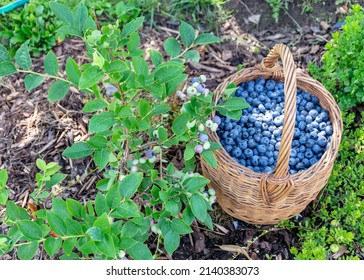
255,139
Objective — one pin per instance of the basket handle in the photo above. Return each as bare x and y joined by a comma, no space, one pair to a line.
278,187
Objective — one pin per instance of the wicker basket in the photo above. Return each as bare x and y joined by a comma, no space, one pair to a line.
267,198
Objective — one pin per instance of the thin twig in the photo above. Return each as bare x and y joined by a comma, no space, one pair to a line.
246,6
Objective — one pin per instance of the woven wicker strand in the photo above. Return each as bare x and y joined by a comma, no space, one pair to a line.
267,198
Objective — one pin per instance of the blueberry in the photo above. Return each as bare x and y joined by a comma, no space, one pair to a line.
277,132
300,166
244,119
260,81
262,98
314,100
242,145
203,137
264,140
251,131
229,141
267,169
261,108
267,117
322,141
195,80
242,162
234,133
322,126
217,120
256,102
302,139
328,130
297,132
315,124
248,153
310,142
313,113
255,152
271,147
293,153
308,154
295,143
277,146
236,152
306,162
225,134
255,160
259,88
278,121
275,154
308,119
313,161
321,134
267,134
306,96
228,126
301,125
263,161
265,127
271,161
302,149
262,149
149,153
269,154
228,148
300,156
316,149
270,84
244,134
309,106
258,124
256,169
292,162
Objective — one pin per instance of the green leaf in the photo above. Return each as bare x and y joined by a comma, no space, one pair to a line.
230,89
140,251
140,66
62,12
78,150
172,47
189,151
41,164
126,243
69,30
162,134
180,226
171,241
94,233
22,57
94,105
7,68
60,208
187,33
80,15
143,107
116,66
31,230
52,246
89,248
132,26
74,207
156,56
68,245
179,124
4,196
100,204
101,158
129,229
72,71
15,212
192,184
4,54
160,109
206,38
101,122
172,207
73,227
98,142
129,185
113,196
51,64
55,179
126,210
168,71
103,223
188,216
3,178
235,103
91,76
192,55
56,223
198,207
208,222
32,81
210,158
27,251
58,90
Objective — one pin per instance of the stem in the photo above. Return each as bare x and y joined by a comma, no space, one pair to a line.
44,75
43,239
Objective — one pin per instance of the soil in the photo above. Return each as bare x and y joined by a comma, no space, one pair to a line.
31,127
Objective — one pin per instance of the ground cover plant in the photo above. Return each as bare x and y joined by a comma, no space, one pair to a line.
132,129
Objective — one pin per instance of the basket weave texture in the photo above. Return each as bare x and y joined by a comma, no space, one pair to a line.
267,198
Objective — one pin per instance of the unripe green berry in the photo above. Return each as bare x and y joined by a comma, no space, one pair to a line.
202,78
209,123
201,127
206,145
142,160
212,199
135,162
157,149
152,159
195,84
214,127
191,91
134,169
211,191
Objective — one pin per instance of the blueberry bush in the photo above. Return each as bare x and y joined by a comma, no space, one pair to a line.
142,199
342,70
254,140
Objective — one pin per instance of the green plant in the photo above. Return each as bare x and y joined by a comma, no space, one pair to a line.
307,5
133,129
342,70
35,22
337,224
277,6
